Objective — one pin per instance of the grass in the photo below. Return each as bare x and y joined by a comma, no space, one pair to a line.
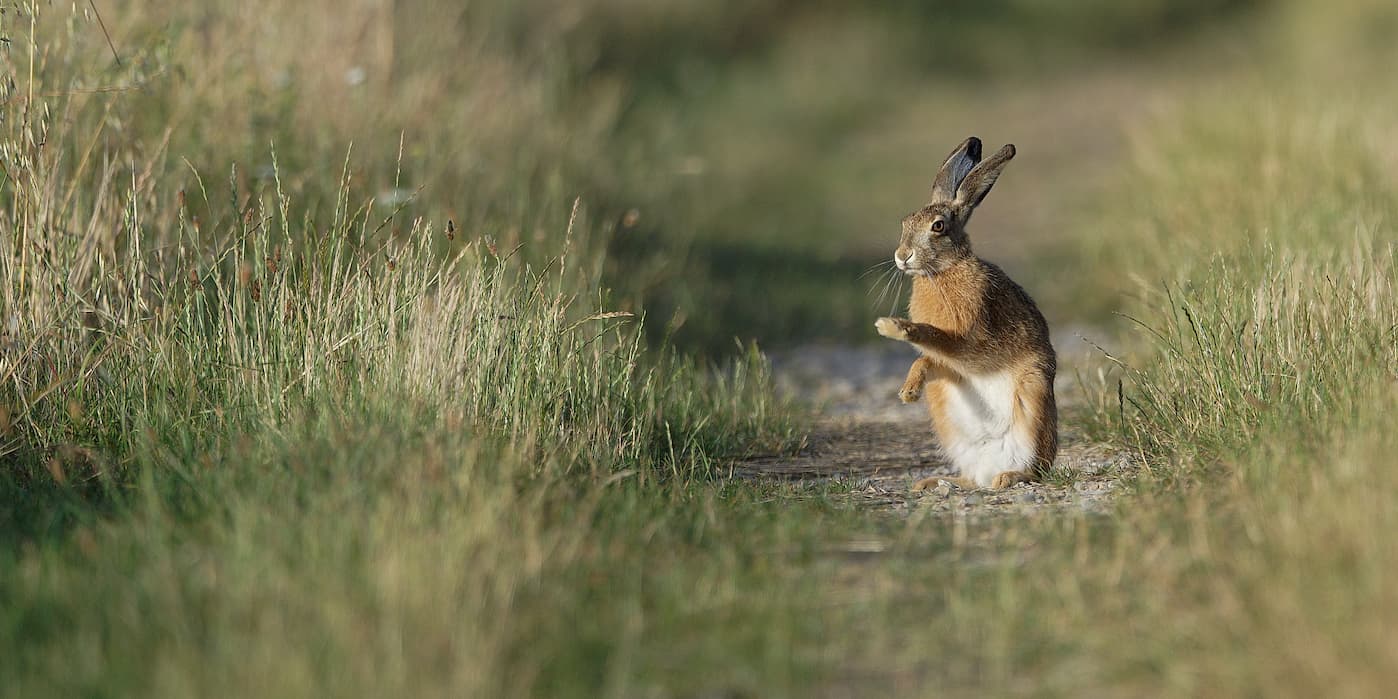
279,420
319,401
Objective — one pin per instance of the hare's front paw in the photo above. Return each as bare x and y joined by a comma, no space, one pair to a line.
892,328
910,394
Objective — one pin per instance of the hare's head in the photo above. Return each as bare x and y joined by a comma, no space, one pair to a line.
934,237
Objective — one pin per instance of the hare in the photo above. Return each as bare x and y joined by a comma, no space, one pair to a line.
987,365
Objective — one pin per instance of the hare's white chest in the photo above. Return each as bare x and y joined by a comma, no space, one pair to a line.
983,440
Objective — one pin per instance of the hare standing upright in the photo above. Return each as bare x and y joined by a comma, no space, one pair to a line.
987,365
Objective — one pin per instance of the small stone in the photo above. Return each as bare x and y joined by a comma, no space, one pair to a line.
1027,497
1091,469
971,500
943,489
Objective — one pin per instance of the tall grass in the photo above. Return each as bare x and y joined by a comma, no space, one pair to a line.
1262,401
1274,306
260,437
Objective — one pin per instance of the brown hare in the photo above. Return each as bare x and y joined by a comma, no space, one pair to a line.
987,365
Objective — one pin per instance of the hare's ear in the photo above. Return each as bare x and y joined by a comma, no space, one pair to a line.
954,170
979,180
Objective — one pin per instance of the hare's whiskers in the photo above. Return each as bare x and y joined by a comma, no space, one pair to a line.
879,284
894,278
878,281
889,281
874,268
897,295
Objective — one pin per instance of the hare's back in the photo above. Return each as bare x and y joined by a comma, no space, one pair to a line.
1012,314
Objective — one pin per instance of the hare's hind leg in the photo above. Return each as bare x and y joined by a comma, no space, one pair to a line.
958,481
1034,433
1005,479
917,378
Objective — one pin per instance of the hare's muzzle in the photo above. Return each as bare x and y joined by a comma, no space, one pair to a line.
905,259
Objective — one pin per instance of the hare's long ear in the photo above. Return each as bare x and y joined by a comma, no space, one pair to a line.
955,169
978,182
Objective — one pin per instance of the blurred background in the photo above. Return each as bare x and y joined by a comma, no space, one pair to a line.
743,163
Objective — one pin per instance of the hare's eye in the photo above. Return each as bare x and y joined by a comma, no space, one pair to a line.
938,226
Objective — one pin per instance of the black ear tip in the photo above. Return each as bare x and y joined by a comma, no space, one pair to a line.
973,148
1009,150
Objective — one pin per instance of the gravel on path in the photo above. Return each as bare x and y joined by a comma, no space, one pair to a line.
868,440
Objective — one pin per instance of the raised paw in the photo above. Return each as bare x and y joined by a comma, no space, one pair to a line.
910,394
1006,479
892,328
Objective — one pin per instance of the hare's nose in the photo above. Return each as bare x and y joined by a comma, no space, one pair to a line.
904,260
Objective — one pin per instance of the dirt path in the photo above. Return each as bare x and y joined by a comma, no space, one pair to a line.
867,439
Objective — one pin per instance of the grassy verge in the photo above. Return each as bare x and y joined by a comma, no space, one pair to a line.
1263,414
285,438
247,418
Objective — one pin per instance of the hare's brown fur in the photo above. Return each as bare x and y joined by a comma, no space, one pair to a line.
975,328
